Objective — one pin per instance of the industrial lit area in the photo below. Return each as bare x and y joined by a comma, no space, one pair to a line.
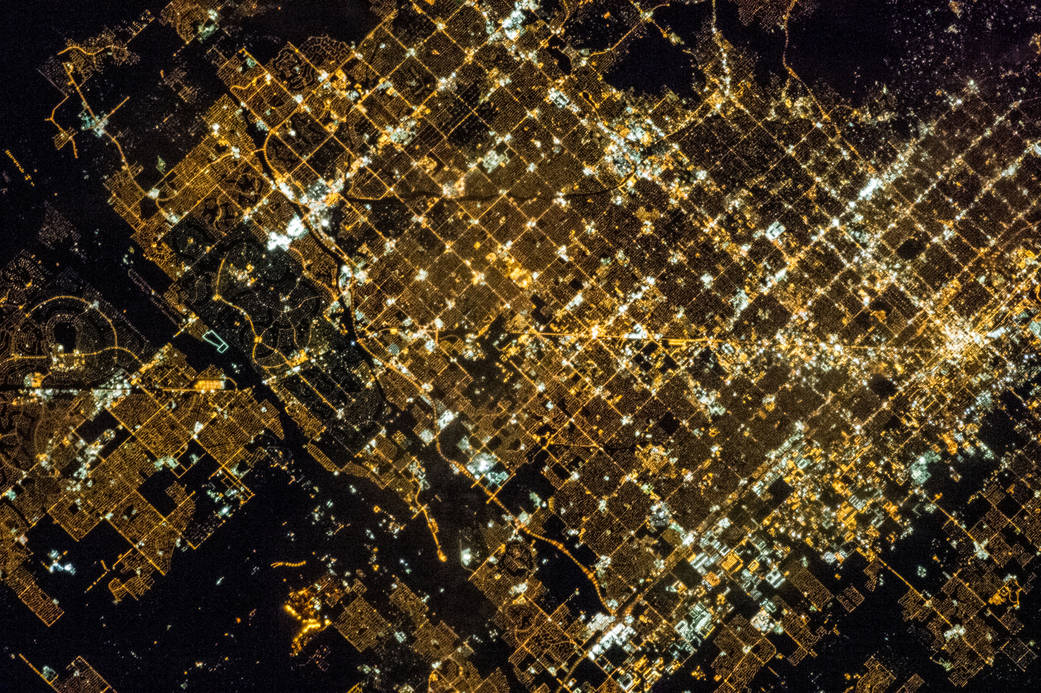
563,346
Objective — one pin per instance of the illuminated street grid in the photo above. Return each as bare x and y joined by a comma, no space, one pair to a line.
709,350
94,419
